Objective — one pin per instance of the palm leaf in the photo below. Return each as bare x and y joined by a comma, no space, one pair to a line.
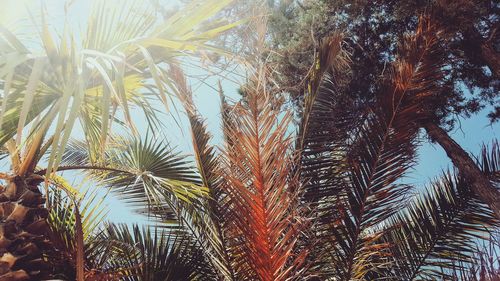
152,255
438,231
484,266
360,167
120,38
490,161
260,184
210,225
150,177
141,172
63,224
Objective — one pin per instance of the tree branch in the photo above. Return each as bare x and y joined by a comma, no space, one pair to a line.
479,182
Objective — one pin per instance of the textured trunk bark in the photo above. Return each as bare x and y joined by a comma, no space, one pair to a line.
480,184
23,229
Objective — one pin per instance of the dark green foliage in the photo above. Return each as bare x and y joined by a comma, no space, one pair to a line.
372,32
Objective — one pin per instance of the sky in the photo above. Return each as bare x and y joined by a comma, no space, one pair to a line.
473,132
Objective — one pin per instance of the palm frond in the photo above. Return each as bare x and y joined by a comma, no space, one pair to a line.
485,265
159,184
112,23
489,162
257,169
323,164
140,171
325,125
359,184
332,59
143,254
210,219
371,194
438,231
62,222
109,72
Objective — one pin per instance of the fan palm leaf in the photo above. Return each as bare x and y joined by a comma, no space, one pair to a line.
140,171
107,71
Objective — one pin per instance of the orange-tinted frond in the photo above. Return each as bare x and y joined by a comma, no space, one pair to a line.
259,183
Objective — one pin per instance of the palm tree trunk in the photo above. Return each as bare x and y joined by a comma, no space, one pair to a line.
480,184
23,229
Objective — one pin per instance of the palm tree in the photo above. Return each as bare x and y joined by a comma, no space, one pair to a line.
335,206
356,162
332,206
433,235
47,87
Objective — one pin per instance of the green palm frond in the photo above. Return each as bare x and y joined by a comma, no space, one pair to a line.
170,211
154,165
208,222
325,138
331,61
372,194
150,177
326,145
63,224
143,254
438,231
322,131
142,172
113,70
